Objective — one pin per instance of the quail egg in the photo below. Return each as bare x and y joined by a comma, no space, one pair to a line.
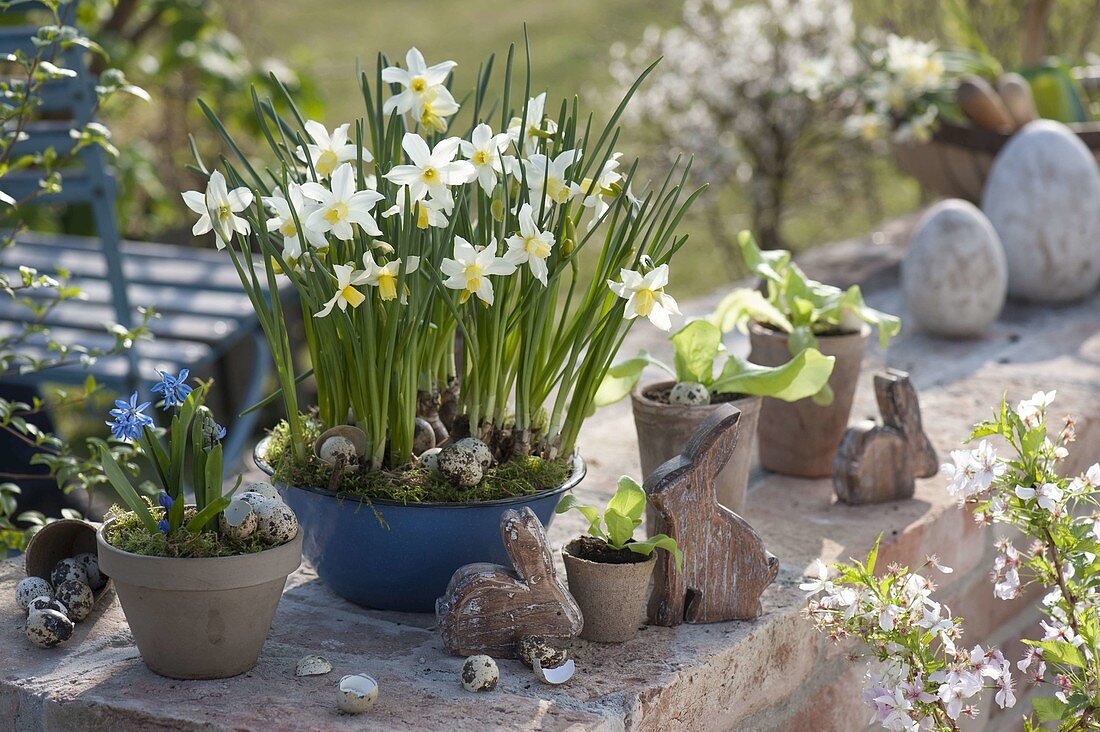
30,588
480,673
312,666
264,488
689,394
429,460
90,562
461,462
77,597
337,448
534,647
48,628
342,442
357,693
277,524
423,436
47,603
68,569
239,520
480,450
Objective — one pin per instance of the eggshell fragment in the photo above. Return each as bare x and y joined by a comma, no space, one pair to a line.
239,520
357,693
312,666
533,648
554,676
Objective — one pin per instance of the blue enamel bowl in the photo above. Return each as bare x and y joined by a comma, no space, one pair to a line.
405,560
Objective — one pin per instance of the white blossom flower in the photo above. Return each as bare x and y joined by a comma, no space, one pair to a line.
973,472
217,209
283,222
424,85
1005,697
1031,411
819,579
432,170
1048,495
470,269
430,211
548,178
1008,587
385,276
957,686
530,246
341,206
645,296
598,191
483,150
328,151
888,614
346,294
536,126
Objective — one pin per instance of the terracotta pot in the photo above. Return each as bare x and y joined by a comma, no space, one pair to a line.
200,618
612,597
801,438
664,430
56,541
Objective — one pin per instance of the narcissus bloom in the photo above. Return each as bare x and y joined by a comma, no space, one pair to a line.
483,150
346,294
470,269
432,170
217,209
645,296
536,126
422,84
549,177
342,206
429,211
283,222
530,246
384,276
328,151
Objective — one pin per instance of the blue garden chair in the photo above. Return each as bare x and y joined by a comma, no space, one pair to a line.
205,315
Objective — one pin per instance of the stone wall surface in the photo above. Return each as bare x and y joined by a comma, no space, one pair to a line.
771,674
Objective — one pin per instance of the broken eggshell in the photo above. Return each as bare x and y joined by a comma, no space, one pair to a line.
480,673
30,589
239,520
554,676
342,441
312,666
357,693
533,648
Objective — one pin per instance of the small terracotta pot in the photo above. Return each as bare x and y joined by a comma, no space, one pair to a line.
612,597
664,431
801,438
56,541
200,618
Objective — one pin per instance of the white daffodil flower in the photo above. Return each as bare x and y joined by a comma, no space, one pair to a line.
329,151
432,170
284,224
599,191
429,211
536,125
423,84
217,209
545,176
435,108
645,296
346,294
341,206
530,246
384,276
483,150
470,269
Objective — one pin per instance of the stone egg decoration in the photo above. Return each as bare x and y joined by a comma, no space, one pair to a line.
460,463
480,673
356,694
30,588
264,488
312,666
689,394
429,460
47,603
537,648
77,597
423,436
48,628
343,442
239,520
68,569
1043,198
90,563
276,523
954,276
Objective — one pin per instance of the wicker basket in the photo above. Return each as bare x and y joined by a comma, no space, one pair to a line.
957,160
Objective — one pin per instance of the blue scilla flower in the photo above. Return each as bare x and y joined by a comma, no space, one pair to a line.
165,501
129,418
173,389
163,526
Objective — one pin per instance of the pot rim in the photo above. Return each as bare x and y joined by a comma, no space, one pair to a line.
580,469
863,332
638,394
565,552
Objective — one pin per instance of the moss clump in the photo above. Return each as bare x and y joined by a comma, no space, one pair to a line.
517,477
130,535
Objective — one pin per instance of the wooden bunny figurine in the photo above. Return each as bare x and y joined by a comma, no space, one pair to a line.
726,567
488,608
882,462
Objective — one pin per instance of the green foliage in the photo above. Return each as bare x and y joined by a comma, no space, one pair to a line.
615,526
698,353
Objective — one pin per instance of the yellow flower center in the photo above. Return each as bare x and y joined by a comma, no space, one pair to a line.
481,157
644,300
326,163
422,217
387,286
353,296
473,277
224,212
557,190
536,247
430,176
336,213
288,229
419,84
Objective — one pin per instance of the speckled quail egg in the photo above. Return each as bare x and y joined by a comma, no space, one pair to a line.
264,488
48,628
30,588
90,562
423,436
312,666
481,451
535,647
429,460
68,569
356,694
277,524
47,603
77,597
480,673
689,394
239,520
461,463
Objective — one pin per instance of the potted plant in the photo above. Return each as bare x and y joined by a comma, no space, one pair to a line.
801,438
608,571
667,413
199,583
400,238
